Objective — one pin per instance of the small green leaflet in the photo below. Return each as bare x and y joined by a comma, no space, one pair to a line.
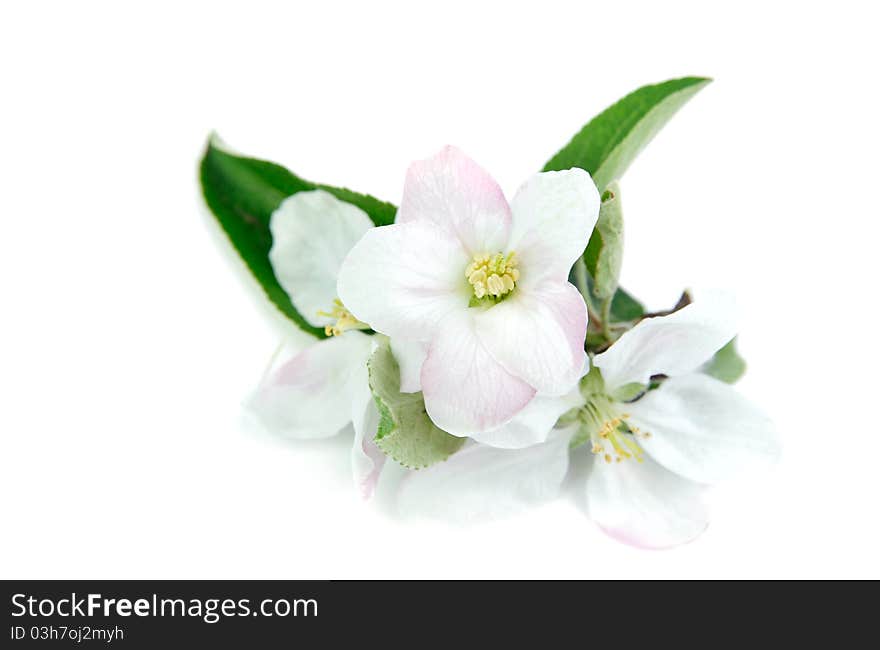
604,253
726,365
243,192
406,433
625,308
607,145
629,392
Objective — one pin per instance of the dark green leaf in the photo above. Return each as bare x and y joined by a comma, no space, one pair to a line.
607,145
243,192
625,308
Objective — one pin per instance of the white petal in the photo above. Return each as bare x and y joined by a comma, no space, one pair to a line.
644,504
312,233
533,424
538,335
704,430
367,459
451,191
671,345
480,482
553,218
403,279
310,395
466,391
410,356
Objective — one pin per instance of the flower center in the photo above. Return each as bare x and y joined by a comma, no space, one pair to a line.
344,320
492,276
612,436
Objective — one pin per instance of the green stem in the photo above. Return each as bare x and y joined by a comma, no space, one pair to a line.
606,319
580,278
580,281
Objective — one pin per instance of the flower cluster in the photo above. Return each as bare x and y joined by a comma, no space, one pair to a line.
472,296
482,344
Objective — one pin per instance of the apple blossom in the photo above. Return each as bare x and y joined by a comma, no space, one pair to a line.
323,389
655,451
481,285
455,342
656,455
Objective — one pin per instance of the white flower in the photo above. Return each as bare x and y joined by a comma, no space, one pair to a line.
323,389
481,286
653,457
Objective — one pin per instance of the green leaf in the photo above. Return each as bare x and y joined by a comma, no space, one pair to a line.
243,192
406,433
726,365
607,145
604,253
625,308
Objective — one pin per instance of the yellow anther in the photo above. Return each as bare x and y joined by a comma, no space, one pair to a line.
622,444
621,440
344,320
494,276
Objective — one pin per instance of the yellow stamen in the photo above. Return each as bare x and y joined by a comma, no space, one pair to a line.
494,276
614,430
344,320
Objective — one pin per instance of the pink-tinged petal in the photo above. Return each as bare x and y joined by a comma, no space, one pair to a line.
312,233
309,396
672,345
704,430
479,482
538,335
367,459
453,192
553,218
410,356
404,279
533,424
466,391
644,504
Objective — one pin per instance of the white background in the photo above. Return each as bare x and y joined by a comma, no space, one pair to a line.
130,334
